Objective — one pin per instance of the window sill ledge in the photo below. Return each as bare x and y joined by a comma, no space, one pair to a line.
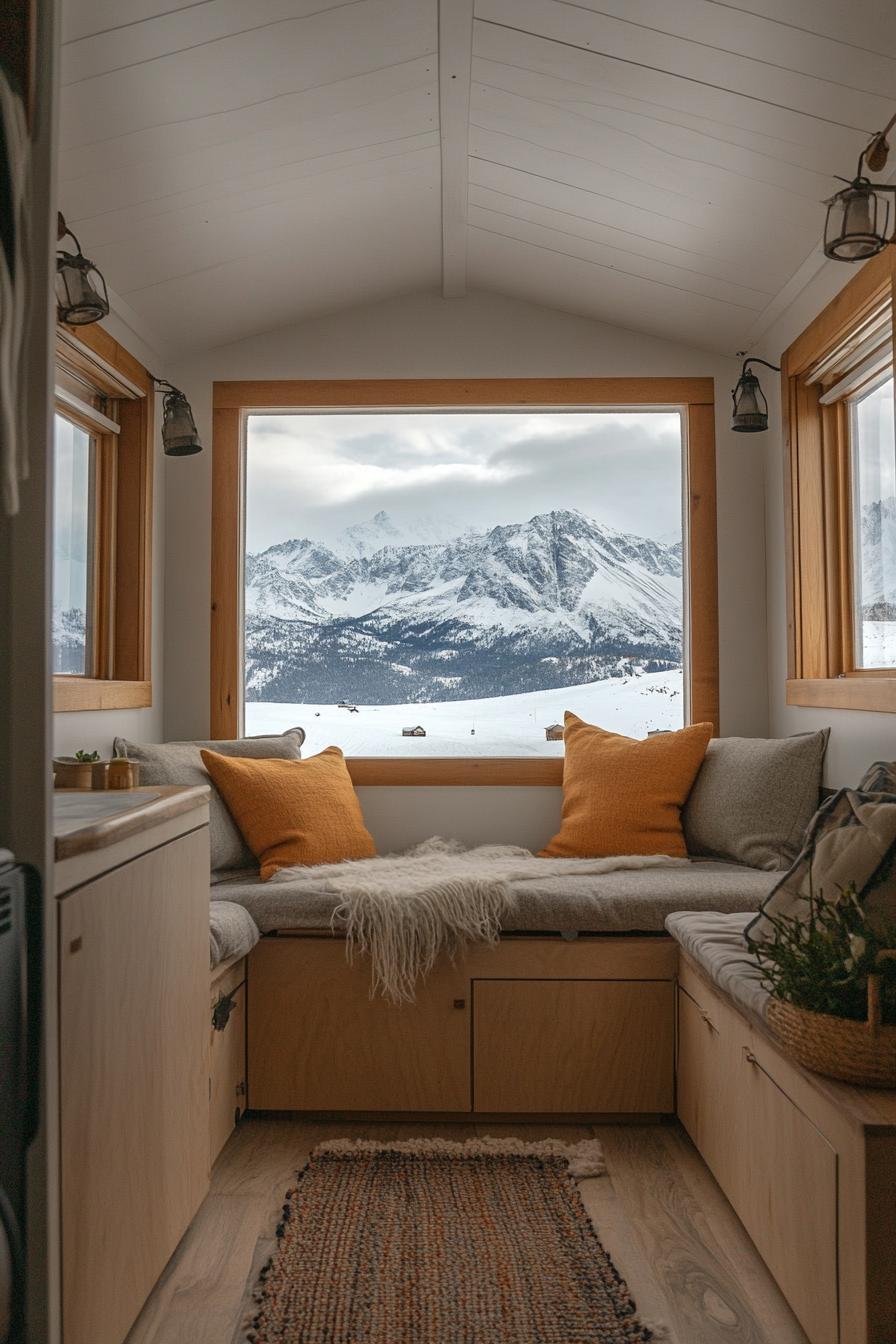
459,771
869,693
80,693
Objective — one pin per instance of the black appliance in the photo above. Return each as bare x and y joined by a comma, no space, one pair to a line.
20,1005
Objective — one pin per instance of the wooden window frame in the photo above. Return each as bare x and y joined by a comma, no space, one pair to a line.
122,662
233,401
821,671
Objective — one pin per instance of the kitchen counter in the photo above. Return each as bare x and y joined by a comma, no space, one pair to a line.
86,821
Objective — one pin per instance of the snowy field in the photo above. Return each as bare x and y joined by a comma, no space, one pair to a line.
510,725
878,644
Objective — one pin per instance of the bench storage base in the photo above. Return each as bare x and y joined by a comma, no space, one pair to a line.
809,1166
532,1026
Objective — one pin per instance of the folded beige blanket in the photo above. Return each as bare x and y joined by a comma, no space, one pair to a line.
406,910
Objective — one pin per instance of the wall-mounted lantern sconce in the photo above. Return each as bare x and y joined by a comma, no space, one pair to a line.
180,437
857,225
750,413
81,294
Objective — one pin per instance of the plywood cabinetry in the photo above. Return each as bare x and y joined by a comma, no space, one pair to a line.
319,1042
545,1046
787,1197
808,1165
532,1026
227,1056
133,970
707,1110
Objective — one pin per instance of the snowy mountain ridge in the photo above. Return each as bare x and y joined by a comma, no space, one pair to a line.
513,606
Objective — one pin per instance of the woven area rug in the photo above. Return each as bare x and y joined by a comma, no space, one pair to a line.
435,1242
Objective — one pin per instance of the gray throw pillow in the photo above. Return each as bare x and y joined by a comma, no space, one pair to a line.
754,797
851,839
181,763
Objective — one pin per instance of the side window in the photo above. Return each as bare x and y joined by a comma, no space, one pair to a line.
873,461
74,549
841,478
102,524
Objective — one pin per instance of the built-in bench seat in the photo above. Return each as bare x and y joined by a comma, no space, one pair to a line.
716,944
634,901
808,1164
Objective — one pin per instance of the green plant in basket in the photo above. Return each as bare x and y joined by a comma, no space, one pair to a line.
821,963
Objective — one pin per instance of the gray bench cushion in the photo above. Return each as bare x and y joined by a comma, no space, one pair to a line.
233,932
623,902
716,943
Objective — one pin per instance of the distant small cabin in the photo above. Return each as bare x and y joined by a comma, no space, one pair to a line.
413,732
554,733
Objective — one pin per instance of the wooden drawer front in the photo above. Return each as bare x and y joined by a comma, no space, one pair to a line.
227,1083
577,1046
788,1204
318,1042
705,1101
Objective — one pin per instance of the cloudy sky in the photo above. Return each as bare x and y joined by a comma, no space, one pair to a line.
312,475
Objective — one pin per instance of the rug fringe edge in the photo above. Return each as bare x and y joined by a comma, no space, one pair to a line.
585,1158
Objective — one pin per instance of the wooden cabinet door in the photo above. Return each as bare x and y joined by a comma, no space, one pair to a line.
227,1064
319,1042
133,1004
706,1103
574,1046
788,1199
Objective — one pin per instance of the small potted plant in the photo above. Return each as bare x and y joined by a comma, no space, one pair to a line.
75,772
832,977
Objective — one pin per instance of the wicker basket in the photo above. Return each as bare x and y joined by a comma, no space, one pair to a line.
855,1052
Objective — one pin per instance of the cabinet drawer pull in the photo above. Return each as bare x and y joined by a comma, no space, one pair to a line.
460,1003
708,1020
750,1057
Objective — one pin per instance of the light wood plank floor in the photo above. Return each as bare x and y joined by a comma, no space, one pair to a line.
669,1229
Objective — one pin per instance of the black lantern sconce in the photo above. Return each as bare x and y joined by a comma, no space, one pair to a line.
180,437
857,225
81,294
750,413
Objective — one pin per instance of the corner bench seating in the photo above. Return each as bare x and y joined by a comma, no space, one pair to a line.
620,1021
809,1164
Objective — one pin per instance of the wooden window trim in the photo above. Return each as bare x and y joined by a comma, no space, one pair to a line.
122,664
821,670
232,401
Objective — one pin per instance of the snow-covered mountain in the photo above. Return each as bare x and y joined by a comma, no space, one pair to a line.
69,638
879,559
386,610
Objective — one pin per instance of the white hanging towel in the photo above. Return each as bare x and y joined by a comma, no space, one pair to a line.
16,170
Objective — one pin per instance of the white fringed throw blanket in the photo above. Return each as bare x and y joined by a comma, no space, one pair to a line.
406,910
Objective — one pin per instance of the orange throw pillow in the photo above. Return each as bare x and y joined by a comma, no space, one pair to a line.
293,812
622,795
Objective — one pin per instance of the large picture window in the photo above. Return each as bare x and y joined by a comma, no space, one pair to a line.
428,573
448,584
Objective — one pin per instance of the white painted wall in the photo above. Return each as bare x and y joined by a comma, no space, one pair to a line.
485,335
857,737
93,730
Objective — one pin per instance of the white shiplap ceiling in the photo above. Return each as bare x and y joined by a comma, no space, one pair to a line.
233,167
